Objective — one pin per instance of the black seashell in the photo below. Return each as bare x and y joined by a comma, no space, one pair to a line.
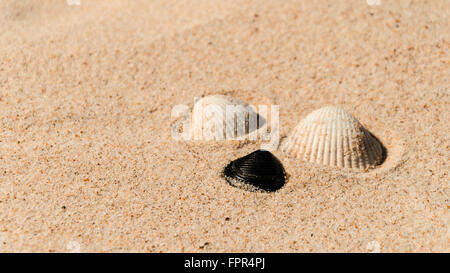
258,171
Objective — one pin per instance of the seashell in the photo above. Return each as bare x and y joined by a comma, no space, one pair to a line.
258,171
222,117
332,136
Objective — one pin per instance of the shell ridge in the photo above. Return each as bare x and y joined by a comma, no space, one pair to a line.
327,150
353,163
321,144
314,143
300,140
366,155
339,140
307,147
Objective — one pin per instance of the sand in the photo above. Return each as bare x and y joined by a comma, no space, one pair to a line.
87,161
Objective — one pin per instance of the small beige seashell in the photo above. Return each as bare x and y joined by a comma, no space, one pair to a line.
332,136
222,117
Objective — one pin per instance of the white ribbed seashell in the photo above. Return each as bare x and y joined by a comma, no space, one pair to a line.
332,136
222,117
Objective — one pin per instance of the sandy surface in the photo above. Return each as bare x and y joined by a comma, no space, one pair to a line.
87,162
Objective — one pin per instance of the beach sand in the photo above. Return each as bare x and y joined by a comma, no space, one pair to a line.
87,161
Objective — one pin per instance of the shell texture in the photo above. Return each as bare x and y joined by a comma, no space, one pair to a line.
332,136
212,118
258,171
